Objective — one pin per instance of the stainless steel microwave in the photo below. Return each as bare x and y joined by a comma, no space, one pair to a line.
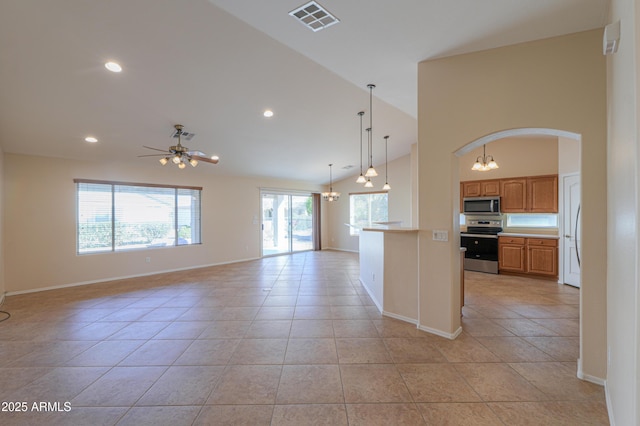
481,205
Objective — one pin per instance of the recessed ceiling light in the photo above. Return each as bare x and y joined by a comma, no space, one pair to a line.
113,66
268,113
91,139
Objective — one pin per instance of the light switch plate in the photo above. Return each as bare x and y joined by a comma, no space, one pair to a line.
440,235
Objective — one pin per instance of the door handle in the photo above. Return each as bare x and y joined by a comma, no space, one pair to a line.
567,236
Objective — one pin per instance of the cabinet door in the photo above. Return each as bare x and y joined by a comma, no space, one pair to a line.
543,194
542,256
514,195
471,189
511,256
542,260
490,188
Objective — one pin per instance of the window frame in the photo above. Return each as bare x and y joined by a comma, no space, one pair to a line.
113,217
354,230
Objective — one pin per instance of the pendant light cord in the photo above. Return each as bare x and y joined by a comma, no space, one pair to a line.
361,113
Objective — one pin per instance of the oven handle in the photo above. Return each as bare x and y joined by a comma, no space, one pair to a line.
480,236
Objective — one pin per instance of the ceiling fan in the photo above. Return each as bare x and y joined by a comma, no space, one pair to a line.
179,154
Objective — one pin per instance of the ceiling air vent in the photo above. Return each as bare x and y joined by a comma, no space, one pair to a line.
314,16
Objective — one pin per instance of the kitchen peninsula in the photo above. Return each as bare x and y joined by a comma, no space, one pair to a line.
389,270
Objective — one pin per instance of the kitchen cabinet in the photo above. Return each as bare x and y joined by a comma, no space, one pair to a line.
511,254
531,256
542,192
481,188
514,195
542,256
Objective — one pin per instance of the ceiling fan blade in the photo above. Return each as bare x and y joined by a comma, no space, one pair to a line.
155,149
205,159
153,155
199,153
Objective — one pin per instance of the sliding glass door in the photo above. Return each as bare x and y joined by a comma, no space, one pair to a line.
287,222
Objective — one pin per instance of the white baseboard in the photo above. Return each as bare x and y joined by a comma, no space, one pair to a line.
450,336
341,249
124,277
400,317
586,377
375,301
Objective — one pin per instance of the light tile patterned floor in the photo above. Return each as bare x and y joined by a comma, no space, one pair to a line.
290,340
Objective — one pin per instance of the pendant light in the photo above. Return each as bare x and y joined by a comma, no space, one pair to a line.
482,165
386,186
361,178
331,195
368,183
371,172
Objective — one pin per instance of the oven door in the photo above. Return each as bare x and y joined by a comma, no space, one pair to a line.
481,247
481,254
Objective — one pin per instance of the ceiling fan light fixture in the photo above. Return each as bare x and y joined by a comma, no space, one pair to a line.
193,162
164,161
176,159
182,165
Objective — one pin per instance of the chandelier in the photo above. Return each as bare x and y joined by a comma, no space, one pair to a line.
485,162
331,195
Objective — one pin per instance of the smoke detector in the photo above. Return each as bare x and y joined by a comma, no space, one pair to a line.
314,16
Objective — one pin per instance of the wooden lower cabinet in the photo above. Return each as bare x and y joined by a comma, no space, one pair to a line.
531,256
542,256
511,254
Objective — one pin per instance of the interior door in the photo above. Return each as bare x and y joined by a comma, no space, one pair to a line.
571,227
287,223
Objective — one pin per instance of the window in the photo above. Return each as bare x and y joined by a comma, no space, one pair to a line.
367,208
113,216
532,220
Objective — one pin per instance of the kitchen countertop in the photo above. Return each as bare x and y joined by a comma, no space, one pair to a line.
514,234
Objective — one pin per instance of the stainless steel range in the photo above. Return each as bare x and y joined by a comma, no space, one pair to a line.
481,241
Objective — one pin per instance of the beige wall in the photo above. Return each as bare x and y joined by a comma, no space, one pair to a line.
521,156
399,202
41,226
568,156
2,205
557,83
623,291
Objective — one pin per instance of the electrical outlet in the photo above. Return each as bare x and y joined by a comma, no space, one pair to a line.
440,235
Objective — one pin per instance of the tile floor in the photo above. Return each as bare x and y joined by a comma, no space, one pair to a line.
289,340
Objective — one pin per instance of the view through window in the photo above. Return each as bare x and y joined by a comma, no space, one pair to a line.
119,216
367,208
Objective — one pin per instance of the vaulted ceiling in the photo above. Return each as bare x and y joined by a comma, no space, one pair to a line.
215,66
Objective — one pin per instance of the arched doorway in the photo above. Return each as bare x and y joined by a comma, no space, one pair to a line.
563,228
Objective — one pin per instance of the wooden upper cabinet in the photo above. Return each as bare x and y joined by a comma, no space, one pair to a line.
532,194
490,188
543,194
471,189
481,188
514,195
